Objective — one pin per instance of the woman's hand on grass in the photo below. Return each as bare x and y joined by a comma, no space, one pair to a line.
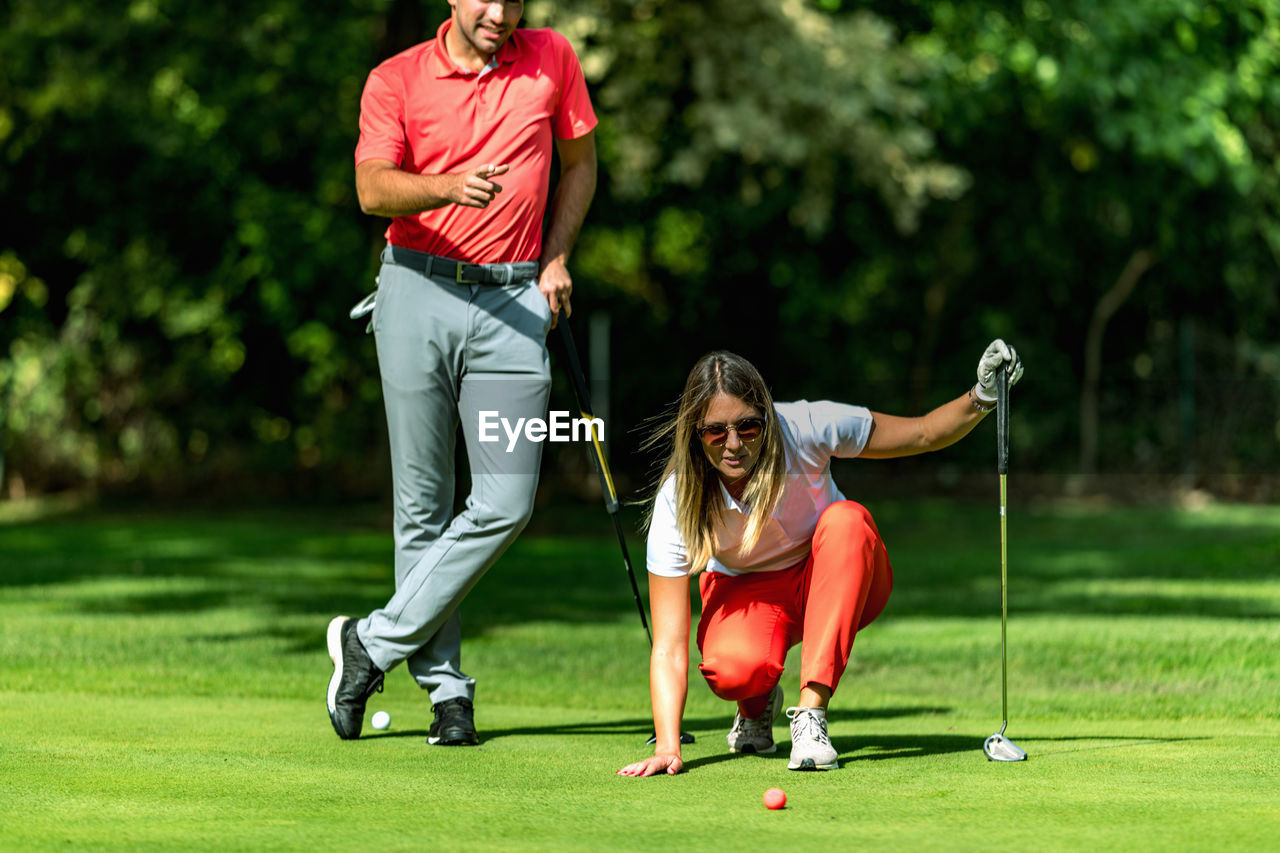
669,764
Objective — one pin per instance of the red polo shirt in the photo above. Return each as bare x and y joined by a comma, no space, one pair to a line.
422,112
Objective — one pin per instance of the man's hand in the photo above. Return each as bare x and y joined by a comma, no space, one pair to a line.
473,188
385,189
557,286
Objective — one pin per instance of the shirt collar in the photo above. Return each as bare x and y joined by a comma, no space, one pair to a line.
729,501
442,65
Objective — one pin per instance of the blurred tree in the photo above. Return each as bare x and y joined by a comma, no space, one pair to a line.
1124,161
852,194
184,173
764,161
186,177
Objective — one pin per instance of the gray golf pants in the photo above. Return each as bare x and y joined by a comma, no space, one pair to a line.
449,353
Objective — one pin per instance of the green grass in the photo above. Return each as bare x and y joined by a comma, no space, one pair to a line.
161,681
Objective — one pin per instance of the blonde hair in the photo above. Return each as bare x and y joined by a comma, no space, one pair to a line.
698,498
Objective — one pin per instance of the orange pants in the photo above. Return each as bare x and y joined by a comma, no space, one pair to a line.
750,621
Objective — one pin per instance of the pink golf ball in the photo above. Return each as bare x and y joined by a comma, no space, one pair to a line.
775,798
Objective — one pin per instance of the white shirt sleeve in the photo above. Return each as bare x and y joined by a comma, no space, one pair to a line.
665,553
825,429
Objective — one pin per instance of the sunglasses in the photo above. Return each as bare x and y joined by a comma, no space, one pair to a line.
748,429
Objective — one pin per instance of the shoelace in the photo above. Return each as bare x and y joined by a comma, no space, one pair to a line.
761,726
806,724
375,687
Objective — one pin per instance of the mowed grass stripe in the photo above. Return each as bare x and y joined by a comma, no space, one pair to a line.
163,678
246,771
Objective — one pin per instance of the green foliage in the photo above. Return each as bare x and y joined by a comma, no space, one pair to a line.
784,90
185,171
1097,131
857,196
760,160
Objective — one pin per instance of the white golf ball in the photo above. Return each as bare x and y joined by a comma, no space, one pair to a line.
381,721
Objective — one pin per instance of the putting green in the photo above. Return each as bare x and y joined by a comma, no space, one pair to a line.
163,679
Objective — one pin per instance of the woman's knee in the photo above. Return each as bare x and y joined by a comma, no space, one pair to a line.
848,517
735,676
846,512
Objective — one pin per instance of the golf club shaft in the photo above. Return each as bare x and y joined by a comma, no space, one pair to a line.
1002,464
1004,611
606,481
581,394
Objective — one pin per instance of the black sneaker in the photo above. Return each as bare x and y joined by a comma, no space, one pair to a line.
454,724
355,678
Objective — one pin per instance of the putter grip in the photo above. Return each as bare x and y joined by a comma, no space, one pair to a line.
1002,422
584,408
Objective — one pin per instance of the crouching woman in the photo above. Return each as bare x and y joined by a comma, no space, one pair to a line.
747,495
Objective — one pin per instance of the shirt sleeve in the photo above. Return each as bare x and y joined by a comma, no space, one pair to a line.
826,429
665,552
382,134
574,116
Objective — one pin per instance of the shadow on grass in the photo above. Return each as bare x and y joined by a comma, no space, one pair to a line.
907,746
854,748
297,564
567,567
703,727
642,728
701,724
850,749
902,746
1124,561
857,715
1107,742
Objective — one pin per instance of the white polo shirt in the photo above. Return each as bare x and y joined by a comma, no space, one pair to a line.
812,433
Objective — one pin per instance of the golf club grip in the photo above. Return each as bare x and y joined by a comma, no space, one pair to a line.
578,378
581,394
1002,421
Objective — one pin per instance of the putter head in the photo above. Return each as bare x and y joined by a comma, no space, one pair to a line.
1000,748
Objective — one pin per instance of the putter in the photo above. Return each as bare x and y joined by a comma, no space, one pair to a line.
998,747
606,479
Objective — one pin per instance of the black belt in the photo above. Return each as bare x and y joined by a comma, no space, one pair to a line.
464,273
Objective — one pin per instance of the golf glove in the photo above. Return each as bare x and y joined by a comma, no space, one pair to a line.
997,354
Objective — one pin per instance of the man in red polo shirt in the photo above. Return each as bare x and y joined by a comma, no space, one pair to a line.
456,138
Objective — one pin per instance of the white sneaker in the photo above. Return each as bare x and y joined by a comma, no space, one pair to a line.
755,735
811,749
